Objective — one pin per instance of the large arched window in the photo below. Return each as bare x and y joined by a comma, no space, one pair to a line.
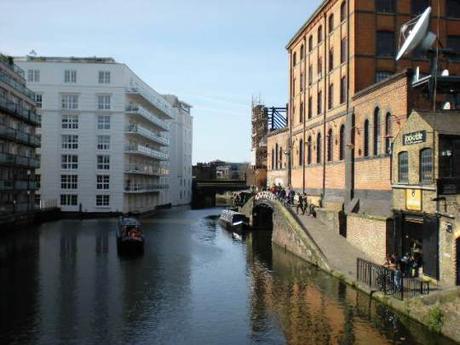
426,166
273,159
343,11
329,145
309,150
342,142
331,23
388,135
377,132
276,157
366,139
302,52
301,152
319,144
320,34
310,43
281,157
403,167
294,59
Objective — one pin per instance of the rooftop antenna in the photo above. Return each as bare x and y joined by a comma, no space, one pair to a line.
32,53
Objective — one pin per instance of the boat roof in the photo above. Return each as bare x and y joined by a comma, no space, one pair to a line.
129,221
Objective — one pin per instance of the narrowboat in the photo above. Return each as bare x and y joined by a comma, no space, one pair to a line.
233,221
130,238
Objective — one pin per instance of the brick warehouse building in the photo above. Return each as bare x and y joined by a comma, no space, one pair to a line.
343,81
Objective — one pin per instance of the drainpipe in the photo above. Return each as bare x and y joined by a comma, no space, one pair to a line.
326,40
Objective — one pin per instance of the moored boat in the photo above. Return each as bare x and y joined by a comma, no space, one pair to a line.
233,221
130,238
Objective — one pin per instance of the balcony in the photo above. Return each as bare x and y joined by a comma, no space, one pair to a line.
9,63
6,185
11,159
144,132
21,137
136,188
142,112
153,98
15,85
141,169
145,151
19,112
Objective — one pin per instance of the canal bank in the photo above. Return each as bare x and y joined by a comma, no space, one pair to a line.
313,241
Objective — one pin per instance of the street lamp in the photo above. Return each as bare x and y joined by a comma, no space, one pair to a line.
28,189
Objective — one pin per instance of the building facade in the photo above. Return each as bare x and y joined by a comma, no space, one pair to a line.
18,140
104,135
180,152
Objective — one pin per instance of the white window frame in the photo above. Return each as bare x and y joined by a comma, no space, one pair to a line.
104,102
103,182
104,77
33,75
69,102
38,98
102,200
103,122
68,200
69,181
69,141
103,162
69,121
103,142
69,162
70,76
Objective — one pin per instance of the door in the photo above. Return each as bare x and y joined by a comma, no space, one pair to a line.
430,246
457,266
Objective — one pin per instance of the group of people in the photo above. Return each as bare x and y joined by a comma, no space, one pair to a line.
408,264
292,198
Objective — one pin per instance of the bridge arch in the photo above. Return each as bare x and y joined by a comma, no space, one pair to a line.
262,215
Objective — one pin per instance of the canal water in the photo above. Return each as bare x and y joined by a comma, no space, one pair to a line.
63,283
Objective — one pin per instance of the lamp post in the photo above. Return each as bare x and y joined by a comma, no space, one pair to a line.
28,189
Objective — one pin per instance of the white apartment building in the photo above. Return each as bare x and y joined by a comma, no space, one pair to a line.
104,135
180,163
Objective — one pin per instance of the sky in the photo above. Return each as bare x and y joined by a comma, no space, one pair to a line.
213,54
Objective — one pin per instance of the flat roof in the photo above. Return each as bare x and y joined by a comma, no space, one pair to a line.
92,59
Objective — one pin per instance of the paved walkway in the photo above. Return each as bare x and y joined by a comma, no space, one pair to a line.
340,254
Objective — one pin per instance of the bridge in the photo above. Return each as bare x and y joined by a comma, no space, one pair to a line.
204,191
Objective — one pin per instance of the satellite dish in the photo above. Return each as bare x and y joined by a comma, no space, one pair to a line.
414,35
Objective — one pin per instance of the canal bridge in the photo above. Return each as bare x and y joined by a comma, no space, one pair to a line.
204,190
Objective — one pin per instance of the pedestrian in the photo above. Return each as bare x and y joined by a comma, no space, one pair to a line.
398,278
300,204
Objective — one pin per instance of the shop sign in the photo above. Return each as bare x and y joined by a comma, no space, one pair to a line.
414,199
414,138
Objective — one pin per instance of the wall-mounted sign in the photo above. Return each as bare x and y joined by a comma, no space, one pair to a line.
414,199
414,138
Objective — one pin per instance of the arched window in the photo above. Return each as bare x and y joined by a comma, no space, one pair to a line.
301,158
426,166
309,150
366,138
273,159
329,145
342,142
388,135
319,144
294,59
403,167
310,43
302,52
343,11
331,23
276,157
320,34
281,157
377,133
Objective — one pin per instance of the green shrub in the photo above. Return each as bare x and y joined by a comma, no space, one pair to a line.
435,319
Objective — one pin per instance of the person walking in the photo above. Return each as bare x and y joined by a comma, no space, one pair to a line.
300,204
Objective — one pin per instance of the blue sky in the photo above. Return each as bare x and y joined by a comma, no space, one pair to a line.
213,54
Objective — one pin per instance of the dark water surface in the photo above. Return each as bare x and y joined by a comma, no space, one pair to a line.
63,283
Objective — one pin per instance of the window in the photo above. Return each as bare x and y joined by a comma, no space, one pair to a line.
386,6
330,100
331,23
377,132
276,157
418,6
104,77
453,8
301,82
103,142
343,90
103,122
103,162
449,157
301,112
273,159
426,165
388,135
310,74
320,34
310,43
320,102
103,182
319,143
69,162
382,75
331,59
403,167
293,86
102,200
69,200
302,52
453,42
301,158
69,122
366,138
38,98
385,44
320,67
342,143
70,76
69,142
309,150
329,145
103,102
33,75
69,181
281,157
310,107
294,59
343,50
69,102
343,11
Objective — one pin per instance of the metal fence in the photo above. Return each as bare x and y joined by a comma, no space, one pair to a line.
388,281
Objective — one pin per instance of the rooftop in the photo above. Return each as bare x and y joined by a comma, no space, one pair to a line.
94,59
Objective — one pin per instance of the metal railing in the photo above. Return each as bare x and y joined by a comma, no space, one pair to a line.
153,98
136,109
390,282
147,134
18,135
15,109
145,188
9,63
144,169
147,151
11,159
15,85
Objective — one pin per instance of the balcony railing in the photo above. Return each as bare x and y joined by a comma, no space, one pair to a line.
18,185
147,134
144,170
135,109
8,63
15,85
20,136
145,188
19,111
156,99
11,159
146,151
